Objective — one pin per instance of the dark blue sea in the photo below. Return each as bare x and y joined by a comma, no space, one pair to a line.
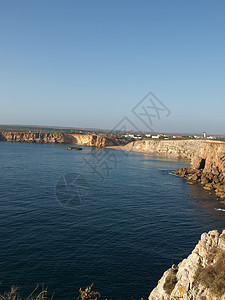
70,218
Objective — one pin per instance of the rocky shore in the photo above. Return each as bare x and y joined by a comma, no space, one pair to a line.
208,168
210,180
207,160
201,276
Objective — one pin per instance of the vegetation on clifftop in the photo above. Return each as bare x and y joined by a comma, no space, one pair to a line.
213,276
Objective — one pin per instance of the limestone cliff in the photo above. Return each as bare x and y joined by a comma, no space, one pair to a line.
93,140
32,137
195,150
201,276
173,148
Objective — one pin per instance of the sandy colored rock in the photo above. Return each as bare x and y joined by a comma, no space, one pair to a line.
185,286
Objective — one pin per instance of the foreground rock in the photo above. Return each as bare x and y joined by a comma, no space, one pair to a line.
200,276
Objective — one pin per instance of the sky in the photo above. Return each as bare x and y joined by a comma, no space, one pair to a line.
90,64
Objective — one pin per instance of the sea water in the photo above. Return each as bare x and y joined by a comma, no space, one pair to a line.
115,219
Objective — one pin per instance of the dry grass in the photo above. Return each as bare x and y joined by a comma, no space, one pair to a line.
87,293
37,294
213,276
170,282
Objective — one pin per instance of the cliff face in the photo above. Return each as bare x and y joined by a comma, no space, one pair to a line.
212,155
32,137
200,276
211,151
207,160
177,148
93,140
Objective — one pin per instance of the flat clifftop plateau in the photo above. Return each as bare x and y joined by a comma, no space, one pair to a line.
201,276
32,137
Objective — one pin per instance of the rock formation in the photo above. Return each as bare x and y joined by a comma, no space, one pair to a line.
91,140
201,276
207,159
172,148
208,168
32,137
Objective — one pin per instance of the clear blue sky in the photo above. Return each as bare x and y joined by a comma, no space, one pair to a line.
88,63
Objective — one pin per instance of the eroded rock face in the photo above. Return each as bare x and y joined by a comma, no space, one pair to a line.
93,140
185,281
208,168
207,160
32,137
177,148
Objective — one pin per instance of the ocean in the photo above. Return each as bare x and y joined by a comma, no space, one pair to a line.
116,219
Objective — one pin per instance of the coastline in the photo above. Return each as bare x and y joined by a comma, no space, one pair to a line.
207,160
186,288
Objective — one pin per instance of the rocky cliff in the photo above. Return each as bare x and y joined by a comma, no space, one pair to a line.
201,276
208,168
91,140
207,159
32,137
173,148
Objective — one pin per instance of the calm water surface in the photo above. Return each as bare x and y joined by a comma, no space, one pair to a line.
130,229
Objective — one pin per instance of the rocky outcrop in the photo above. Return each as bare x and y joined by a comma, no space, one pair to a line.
207,160
200,276
208,168
32,137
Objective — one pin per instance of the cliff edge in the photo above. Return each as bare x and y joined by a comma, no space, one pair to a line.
201,276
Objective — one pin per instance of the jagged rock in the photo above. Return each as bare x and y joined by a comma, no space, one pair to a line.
187,283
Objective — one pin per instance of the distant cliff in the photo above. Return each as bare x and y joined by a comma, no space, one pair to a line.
91,140
32,137
173,148
200,276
